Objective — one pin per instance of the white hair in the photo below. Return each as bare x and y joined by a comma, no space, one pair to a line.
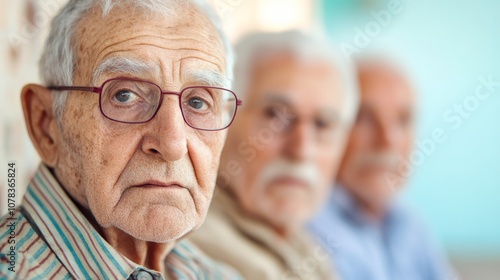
302,47
57,63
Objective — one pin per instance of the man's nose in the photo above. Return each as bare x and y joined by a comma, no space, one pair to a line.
300,144
387,136
165,134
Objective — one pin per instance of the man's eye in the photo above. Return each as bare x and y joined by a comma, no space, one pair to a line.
271,112
124,96
197,103
323,124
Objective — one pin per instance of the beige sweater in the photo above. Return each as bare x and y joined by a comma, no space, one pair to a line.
254,249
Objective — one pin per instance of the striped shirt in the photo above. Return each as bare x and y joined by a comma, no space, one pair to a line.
47,237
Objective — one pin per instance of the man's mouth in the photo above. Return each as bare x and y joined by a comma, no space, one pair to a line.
289,181
158,184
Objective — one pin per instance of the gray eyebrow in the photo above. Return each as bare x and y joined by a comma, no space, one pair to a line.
281,99
123,65
274,98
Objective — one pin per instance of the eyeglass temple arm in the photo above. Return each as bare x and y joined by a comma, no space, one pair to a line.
92,89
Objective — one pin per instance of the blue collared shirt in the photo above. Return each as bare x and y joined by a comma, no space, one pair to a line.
398,248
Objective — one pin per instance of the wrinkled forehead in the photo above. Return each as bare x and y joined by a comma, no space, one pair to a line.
186,33
295,81
384,80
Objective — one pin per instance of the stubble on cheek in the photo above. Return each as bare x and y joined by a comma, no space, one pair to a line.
205,157
80,142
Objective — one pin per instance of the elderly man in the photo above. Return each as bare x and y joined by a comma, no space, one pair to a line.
129,126
281,154
369,234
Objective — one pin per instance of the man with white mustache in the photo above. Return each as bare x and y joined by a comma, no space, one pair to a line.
367,231
278,161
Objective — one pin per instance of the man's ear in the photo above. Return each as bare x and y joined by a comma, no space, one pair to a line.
40,121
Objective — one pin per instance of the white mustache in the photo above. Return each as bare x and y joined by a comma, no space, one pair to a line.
304,171
385,159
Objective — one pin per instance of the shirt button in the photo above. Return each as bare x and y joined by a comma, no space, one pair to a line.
143,275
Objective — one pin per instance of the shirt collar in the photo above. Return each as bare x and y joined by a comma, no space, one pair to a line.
342,199
291,251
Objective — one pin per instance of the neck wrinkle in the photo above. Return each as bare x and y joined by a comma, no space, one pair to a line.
147,254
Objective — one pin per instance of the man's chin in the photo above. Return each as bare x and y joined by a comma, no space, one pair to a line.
286,218
379,199
161,234
156,237
158,226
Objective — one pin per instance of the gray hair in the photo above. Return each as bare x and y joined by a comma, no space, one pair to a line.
57,63
302,47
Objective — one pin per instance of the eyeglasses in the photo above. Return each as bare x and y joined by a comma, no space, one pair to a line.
128,100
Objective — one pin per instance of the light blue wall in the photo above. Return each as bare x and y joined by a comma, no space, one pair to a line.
446,46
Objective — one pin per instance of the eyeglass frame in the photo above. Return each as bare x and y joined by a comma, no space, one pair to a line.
99,91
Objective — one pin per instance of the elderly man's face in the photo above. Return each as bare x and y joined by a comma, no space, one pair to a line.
286,140
154,180
381,139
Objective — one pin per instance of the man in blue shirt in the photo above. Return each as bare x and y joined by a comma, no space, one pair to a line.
367,231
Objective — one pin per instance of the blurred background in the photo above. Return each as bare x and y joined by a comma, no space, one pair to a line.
449,49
